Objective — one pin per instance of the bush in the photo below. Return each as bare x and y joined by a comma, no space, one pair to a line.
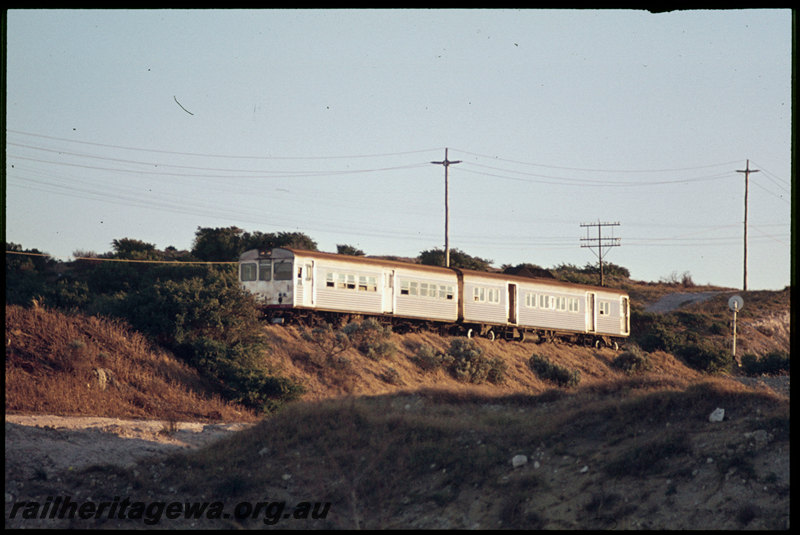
632,361
330,342
704,357
429,359
654,332
547,371
497,371
370,338
469,363
237,368
772,363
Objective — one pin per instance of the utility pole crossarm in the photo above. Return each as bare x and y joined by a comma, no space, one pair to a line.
446,163
600,242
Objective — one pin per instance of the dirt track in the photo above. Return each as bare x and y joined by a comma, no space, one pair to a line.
673,301
43,446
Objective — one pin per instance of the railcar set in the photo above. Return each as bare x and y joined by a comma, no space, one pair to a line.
294,285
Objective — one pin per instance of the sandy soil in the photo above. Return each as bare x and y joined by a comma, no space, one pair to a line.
41,450
40,447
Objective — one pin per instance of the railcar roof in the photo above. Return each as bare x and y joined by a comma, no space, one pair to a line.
364,260
542,280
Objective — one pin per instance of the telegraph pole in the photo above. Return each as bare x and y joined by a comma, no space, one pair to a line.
600,242
746,172
446,163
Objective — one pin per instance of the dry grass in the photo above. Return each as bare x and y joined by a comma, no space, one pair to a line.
383,461
71,364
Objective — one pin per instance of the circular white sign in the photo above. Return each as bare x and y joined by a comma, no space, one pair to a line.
735,302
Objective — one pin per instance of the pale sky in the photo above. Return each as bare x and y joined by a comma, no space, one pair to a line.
148,124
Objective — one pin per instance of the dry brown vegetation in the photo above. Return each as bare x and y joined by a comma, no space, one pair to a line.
392,443
72,364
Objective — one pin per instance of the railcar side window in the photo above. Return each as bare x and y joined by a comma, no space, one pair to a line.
530,300
248,272
283,270
604,308
349,281
545,301
561,302
493,295
265,270
413,288
422,289
572,304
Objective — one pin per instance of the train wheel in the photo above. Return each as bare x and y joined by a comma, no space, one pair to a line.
469,333
490,335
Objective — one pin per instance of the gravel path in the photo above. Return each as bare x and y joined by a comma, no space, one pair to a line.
671,302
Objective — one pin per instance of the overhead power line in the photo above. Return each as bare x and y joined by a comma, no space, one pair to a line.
239,157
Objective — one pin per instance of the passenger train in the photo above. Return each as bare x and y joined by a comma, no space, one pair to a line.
294,285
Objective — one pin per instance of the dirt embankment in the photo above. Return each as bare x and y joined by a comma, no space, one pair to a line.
727,475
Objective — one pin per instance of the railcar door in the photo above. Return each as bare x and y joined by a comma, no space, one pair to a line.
512,304
624,316
591,314
306,280
387,295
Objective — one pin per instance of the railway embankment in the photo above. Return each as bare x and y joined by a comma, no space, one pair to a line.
471,435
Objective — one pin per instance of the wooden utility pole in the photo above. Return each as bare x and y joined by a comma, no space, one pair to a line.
600,243
746,172
446,163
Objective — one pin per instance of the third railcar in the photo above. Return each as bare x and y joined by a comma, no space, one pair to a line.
303,285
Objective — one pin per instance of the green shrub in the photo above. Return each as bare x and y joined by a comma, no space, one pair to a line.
772,363
429,359
632,361
554,373
391,376
238,369
469,364
330,342
497,371
370,338
704,357
654,332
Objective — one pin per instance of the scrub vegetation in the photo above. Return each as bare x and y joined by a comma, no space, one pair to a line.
609,438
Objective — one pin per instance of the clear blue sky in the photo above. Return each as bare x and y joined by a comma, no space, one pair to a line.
148,124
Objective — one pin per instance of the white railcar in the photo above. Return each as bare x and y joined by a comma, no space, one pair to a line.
294,283
313,281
